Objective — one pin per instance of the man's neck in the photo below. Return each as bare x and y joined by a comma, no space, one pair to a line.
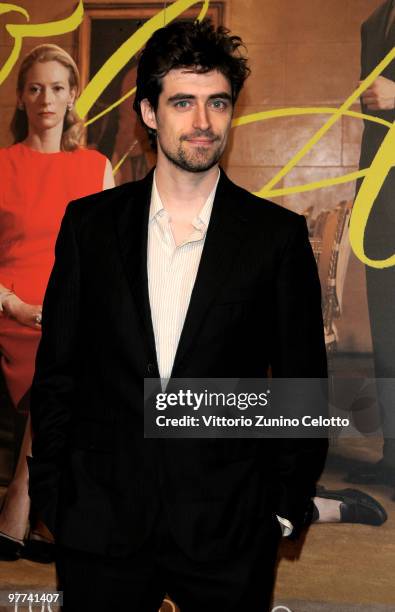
183,190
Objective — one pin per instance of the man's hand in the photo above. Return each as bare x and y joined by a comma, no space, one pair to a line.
25,314
380,95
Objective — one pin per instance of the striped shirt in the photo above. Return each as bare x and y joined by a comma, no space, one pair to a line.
172,273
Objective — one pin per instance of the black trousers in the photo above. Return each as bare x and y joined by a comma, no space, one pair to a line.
380,244
381,299
139,583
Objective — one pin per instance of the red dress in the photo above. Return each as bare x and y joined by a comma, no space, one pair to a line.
35,189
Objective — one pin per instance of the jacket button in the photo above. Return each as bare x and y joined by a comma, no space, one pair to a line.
150,368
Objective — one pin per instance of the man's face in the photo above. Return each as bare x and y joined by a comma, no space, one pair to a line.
193,118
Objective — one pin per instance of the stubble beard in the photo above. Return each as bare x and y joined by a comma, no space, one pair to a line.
200,160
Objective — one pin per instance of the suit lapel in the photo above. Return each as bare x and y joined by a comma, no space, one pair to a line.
131,220
227,229
377,24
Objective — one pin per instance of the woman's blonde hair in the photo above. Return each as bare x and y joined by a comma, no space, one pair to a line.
72,125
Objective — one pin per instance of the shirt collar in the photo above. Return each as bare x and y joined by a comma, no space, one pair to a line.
203,218
156,203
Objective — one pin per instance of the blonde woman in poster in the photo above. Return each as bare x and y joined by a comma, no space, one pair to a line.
40,174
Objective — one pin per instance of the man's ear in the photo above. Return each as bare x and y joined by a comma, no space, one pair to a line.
148,114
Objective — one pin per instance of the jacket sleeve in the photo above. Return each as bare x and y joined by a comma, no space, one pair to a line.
54,379
298,353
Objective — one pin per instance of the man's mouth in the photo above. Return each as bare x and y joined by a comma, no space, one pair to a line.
201,141
200,136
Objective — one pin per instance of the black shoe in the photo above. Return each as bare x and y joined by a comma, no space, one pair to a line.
10,550
356,506
40,551
372,473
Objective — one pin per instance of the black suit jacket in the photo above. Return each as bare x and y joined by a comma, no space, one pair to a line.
375,45
256,302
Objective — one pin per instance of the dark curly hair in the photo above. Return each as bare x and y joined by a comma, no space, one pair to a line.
185,44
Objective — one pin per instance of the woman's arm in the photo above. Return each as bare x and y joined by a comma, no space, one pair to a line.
108,178
13,307
4,293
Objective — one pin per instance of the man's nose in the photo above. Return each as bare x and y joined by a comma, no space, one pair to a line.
201,119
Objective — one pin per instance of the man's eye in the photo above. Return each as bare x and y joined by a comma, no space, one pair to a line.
219,104
182,104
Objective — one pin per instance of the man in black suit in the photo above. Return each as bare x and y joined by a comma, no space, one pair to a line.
181,275
378,38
